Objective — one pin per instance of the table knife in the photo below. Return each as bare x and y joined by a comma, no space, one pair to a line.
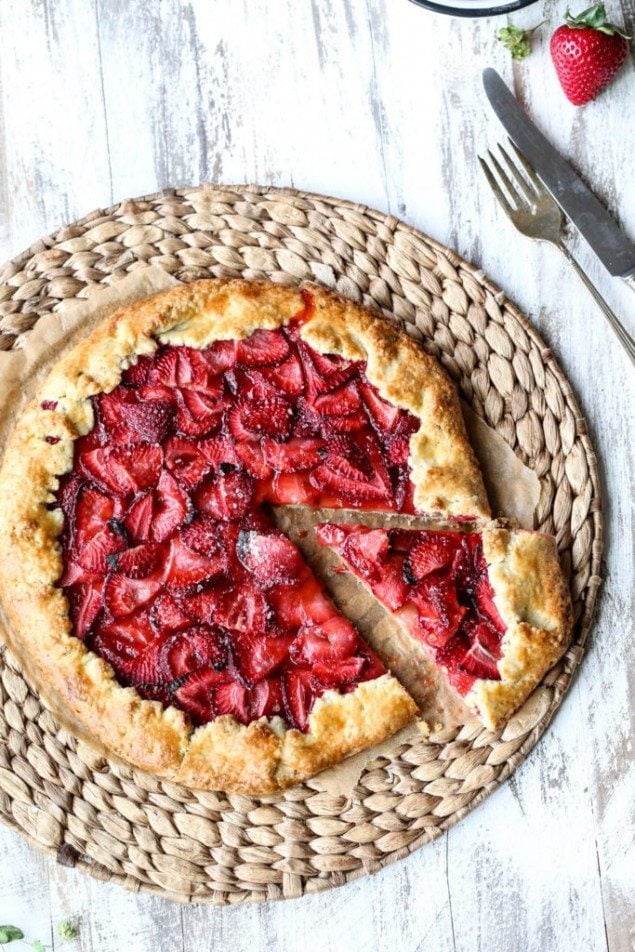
592,220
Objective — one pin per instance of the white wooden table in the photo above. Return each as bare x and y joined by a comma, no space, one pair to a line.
380,102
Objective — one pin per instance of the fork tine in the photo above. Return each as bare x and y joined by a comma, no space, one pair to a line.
518,177
512,191
495,187
529,171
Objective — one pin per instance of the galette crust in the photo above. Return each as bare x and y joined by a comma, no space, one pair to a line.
533,600
264,756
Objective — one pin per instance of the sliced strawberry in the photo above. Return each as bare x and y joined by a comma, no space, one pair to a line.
226,496
323,373
294,455
123,469
111,406
218,451
298,697
450,657
199,411
206,606
137,373
95,554
372,452
366,551
243,608
67,498
138,519
480,663
266,698
85,602
291,611
286,376
383,414
398,450
158,392
220,356
131,648
195,695
93,511
333,640
257,656
391,588
151,420
250,386
235,699
270,557
185,460
431,551
291,489
343,456
355,491
468,565
439,611
186,567
138,562
140,464
251,420
485,602
252,458
334,674
76,574
202,535
339,402
123,595
181,367
167,615
198,647
263,347
170,507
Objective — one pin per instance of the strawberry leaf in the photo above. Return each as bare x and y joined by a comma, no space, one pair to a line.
595,19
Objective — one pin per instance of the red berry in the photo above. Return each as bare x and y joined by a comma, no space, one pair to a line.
587,52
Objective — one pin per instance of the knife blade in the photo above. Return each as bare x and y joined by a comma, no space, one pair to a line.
592,220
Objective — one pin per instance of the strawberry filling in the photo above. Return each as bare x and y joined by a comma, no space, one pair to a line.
436,584
173,570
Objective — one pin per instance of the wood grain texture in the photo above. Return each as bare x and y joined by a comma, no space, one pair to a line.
378,102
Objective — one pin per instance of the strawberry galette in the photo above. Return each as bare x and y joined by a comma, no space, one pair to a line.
490,608
143,574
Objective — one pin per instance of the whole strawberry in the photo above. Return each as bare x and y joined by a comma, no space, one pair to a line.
587,52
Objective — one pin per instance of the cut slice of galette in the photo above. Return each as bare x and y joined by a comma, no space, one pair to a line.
491,608
138,566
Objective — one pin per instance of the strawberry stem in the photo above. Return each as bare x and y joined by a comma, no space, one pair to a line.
594,18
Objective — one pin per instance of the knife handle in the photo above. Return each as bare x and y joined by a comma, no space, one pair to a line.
621,333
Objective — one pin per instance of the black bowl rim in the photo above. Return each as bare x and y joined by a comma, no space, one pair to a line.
493,11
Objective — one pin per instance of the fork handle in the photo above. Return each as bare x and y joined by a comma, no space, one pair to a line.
624,337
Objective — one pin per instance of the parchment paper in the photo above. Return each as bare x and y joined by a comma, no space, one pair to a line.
513,490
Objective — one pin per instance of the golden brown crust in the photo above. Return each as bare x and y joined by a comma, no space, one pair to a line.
533,600
263,757
444,469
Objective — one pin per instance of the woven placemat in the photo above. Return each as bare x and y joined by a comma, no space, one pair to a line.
121,825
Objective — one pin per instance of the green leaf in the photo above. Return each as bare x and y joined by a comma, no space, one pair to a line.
516,41
66,930
10,934
594,18
38,945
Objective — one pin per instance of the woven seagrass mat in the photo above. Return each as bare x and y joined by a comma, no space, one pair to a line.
121,825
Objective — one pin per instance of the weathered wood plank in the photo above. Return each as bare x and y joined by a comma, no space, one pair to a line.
380,103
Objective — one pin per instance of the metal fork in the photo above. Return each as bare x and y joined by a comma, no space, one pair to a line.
535,214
